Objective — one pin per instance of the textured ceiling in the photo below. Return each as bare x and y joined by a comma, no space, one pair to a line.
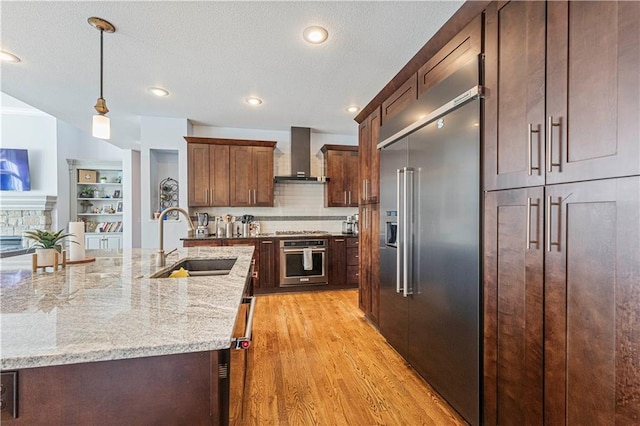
210,56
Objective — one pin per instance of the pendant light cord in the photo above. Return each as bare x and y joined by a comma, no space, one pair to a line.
101,37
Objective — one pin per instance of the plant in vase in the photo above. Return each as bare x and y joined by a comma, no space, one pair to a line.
86,192
47,243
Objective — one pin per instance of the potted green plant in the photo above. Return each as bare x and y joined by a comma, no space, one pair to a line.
47,243
86,192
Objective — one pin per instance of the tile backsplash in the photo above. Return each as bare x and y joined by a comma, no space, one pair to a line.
297,206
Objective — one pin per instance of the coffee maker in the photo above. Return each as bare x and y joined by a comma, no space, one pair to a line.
202,231
348,226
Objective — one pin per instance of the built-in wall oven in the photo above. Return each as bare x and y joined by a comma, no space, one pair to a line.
303,262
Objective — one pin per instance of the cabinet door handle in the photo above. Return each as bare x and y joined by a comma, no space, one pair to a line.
529,205
530,167
250,197
548,223
345,196
339,241
267,242
349,198
364,189
255,196
550,162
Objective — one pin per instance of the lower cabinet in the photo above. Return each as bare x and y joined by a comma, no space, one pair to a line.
561,301
268,250
103,242
369,261
343,258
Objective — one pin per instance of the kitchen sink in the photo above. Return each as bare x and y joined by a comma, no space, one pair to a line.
198,267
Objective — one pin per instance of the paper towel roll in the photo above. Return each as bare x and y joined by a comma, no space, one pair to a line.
76,251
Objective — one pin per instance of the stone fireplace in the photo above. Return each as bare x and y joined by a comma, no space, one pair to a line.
20,212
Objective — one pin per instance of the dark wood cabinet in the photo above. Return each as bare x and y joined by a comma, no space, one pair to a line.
208,172
404,96
588,85
593,81
337,261
369,136
268,273
353,261
229,172
466,45
343,258
515,100
341,167
251,176
572,249
592,297
513,307
369,252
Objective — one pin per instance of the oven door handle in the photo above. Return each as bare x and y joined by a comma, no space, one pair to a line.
245,341
318,250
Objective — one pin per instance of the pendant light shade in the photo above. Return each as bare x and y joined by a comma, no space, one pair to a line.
101,127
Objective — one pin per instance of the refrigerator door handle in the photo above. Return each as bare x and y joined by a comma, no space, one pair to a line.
406,219
399,172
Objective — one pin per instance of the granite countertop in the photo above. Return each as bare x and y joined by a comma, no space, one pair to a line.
109,309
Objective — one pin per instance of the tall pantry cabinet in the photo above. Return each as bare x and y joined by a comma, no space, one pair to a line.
369,216
562,213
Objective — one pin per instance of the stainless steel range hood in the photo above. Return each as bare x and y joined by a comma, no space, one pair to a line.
300,159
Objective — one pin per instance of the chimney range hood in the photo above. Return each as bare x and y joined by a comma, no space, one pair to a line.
300,159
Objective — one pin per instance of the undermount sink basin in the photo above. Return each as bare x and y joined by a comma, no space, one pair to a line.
198,267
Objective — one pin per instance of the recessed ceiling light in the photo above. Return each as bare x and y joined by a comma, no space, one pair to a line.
253,101
158,91
353,108
8,57
315,34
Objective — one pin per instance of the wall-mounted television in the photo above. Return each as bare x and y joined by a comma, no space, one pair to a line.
14,170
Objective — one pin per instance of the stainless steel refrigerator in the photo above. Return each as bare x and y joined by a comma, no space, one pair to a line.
430,240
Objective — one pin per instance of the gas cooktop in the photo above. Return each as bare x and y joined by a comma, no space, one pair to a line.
302,232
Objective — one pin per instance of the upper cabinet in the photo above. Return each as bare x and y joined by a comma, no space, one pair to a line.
465,46
208,174
369,136
341,167
404,96
590,127
230,172
251,176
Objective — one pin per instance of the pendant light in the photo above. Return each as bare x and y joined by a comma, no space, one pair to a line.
101,127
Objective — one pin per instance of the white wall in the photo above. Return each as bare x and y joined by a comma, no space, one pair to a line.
291,200
163,134
132,223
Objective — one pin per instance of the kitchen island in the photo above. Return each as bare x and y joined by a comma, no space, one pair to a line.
103,343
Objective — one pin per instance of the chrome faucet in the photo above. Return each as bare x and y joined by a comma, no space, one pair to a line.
161,257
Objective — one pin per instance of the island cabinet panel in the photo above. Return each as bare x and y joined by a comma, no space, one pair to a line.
463,47
514,104
562,84
561,299
170,389
341,167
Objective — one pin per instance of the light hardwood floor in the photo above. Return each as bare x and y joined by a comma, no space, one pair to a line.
315,360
